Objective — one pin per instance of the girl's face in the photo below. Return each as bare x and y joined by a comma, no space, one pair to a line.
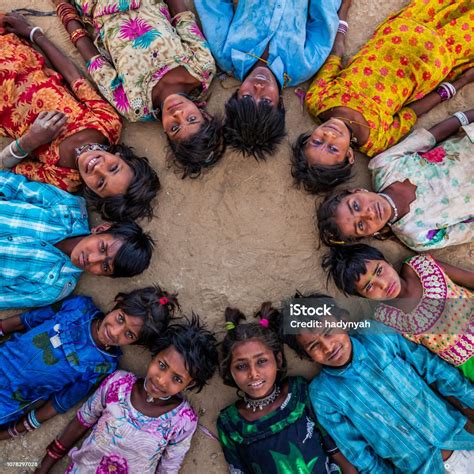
362,213
379,282
119,329
261,86
104,173
329,144
167,374
254,368
181,117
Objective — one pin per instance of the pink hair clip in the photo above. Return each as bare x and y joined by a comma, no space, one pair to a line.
164,300
264,322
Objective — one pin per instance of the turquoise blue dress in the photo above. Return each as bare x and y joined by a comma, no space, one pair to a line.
55,358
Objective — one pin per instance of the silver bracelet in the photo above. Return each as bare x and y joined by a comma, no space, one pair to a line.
33,31
14,154
462,117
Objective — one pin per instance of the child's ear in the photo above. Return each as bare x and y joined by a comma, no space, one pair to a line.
100,228
191,385
279,360
350,155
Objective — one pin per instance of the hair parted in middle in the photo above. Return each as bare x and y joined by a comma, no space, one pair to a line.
268,330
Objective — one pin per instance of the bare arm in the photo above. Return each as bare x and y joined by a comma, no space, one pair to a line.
338,47
176,6
432,99
459,275
447,127
12,324
344,464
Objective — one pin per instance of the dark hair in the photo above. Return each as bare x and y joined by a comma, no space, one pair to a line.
153,305
316,179
195,343
136,202
347,263
329,232
253,129
337,312
270,336
201,150
134,256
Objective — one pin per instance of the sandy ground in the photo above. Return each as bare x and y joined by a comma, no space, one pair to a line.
240,235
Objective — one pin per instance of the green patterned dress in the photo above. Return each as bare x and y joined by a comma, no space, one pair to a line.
286,441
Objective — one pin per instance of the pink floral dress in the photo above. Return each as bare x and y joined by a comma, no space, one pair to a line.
123,440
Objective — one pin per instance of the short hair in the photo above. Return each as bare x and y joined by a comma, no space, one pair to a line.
316,179
329,232
270,336
253,129
134,256
195,343
347,263
337,312
153,305
200,151
136,202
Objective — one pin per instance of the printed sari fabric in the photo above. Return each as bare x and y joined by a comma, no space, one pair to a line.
28,87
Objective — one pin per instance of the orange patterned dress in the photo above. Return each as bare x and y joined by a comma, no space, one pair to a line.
28,87
410,53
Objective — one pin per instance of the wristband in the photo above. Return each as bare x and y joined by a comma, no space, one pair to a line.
18,157
33,31
19,148
462,117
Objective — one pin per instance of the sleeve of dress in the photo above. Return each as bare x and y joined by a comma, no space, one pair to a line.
178,446
352,442
216,18
194,41
229,448
419,141
74,393
448,380
35,317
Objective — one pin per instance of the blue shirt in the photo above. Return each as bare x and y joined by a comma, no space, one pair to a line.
33,217
300,35
55,359
381,411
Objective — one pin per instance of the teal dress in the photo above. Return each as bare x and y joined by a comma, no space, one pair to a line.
288,440
55,358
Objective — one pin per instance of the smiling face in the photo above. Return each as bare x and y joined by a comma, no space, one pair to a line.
167,374
96,253
380,281
119,329
331,347
104,173
329,144
361,214
181,117
261,86
254,368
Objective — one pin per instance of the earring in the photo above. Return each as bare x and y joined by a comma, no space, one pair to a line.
240,393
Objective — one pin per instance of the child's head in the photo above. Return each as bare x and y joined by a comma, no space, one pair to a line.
324,158
119,250
252,356
138,316
362,270
325,345
184,356
349,215
254,121
119,184
194,136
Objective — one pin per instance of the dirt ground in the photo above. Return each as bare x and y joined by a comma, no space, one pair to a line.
240,235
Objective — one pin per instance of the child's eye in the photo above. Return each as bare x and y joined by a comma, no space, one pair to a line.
261,361
113,168
379,271
177,379
317,141
120,318
266,101
100,183
356,206
333,149
247,96
161,365
240,366
360,225
102,246
175,128
369,287
192,119
130,335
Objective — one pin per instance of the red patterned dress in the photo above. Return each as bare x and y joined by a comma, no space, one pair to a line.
28,87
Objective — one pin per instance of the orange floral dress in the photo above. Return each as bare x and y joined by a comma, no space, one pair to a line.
409,54
28,87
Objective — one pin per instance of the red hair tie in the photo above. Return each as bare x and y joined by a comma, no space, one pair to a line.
164,300
264,322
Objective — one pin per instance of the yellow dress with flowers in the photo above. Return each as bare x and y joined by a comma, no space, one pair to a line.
410,53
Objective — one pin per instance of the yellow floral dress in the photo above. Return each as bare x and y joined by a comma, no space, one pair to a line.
409,54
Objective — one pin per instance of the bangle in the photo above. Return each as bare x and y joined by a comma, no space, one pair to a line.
446,91
14,154
77,34
33,31
462,117
33,420
66,13
53,455
13,432
59,446
19,148
343,27
27,426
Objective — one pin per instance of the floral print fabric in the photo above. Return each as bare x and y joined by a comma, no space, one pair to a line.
442,213
139,44
443,320
409,54
123,440
28,87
